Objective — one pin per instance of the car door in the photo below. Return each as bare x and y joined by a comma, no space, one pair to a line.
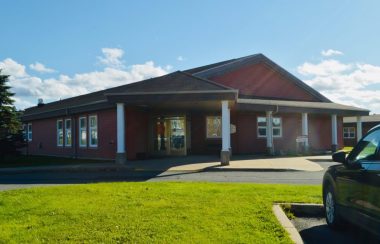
358,182
373,201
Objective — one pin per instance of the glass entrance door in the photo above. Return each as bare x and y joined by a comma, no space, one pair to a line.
170,136
177,136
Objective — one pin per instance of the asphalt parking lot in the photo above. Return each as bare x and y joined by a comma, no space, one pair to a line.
14,180
316,231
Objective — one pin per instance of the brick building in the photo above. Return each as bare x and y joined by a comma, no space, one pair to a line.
356,127
247,105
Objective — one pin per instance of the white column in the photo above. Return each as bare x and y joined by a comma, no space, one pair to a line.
269,132
359,131
229,129
225,153
334,132
120,125
225,126
305,129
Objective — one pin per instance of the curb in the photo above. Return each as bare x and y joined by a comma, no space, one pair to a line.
286,224
307,209
113,168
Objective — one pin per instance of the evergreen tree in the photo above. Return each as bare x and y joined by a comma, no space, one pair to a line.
10,125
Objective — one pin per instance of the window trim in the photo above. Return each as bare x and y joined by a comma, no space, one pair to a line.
90,129
29,133
273,127
261,127
213,137
57,133
80,129
66,133
349,133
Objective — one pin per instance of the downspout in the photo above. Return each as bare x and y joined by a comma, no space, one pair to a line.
273,113
73,133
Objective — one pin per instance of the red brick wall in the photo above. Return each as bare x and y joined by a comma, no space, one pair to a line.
249,142
245,140
199,143
262,81
137,123
320,131
45,137
366,126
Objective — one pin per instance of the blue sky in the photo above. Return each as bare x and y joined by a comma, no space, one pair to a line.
76,41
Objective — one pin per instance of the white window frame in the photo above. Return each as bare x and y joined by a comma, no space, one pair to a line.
82,129
29,132
261,127
60,132
68,131
93,128
207,132
350,131
265,127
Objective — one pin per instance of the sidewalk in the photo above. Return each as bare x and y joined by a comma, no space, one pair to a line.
191,163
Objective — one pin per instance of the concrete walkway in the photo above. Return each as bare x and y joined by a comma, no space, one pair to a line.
245,163
193,163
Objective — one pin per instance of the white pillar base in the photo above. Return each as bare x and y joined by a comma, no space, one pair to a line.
225,158
121,158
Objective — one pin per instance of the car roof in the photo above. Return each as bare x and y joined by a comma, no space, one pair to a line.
374,128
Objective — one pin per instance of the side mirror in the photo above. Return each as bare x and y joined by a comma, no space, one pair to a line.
339,157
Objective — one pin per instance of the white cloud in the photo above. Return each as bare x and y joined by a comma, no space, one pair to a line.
331,52
29,88
180,58
352,84
324,68
112,57
40,68
11,67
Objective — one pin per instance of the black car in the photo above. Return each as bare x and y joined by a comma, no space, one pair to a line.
351,190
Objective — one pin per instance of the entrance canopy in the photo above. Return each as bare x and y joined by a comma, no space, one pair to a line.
178,90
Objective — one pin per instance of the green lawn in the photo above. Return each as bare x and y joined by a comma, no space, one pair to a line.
148,213
23,160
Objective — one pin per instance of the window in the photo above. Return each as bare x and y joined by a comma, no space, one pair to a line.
82,132
349,132
59,133
367,149
262,127
30,132
93,131
68,132
213,127
24,132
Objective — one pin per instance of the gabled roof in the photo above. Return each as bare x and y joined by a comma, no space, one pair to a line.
189,84
221,68
176,82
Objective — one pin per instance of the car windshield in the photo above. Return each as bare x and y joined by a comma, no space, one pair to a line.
367,148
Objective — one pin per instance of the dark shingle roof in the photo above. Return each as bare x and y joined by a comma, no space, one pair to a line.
175,82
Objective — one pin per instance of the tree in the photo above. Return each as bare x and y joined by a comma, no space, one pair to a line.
10,125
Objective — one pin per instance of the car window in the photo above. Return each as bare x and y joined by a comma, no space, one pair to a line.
367,149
